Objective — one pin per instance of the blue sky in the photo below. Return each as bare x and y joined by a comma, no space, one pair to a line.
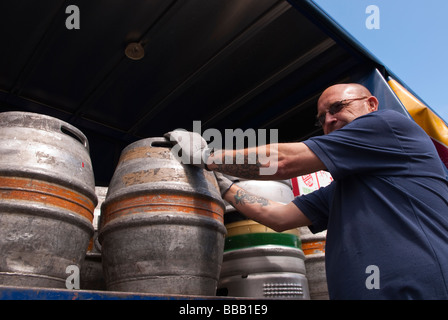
412,41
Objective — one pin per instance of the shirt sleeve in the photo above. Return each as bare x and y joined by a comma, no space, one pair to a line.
367,145
315,206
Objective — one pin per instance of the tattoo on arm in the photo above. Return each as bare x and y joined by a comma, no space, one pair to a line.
244,166
242,197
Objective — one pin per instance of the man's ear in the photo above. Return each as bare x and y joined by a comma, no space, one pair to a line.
373,103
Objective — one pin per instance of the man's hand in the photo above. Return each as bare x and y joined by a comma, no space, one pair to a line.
189,147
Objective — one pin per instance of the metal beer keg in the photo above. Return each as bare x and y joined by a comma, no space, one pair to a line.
92,277
313,246
47,199
161,228
268,271
259,262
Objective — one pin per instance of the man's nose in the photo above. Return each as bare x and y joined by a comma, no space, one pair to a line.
329,119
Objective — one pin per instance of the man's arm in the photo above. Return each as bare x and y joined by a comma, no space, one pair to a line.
279,161
277,216
276,161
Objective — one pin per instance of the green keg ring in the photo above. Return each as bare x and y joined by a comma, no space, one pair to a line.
261,239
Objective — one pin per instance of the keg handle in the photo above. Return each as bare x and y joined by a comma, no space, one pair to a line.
161,143
75,134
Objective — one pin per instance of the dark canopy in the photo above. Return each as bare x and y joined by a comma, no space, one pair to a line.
230,64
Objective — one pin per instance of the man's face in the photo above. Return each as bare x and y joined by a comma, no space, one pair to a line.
341,104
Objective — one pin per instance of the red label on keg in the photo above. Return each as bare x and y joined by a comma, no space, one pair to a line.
308,179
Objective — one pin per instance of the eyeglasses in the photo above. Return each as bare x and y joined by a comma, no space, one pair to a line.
335,108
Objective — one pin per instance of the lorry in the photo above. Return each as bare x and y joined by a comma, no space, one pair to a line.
121,71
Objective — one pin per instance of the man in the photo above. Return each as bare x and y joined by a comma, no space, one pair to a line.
386,213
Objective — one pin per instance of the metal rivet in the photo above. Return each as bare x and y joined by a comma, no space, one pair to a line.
134,51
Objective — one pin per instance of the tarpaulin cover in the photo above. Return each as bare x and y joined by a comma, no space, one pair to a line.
433,125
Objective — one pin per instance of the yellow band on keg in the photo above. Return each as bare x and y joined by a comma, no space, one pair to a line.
251,226
46,193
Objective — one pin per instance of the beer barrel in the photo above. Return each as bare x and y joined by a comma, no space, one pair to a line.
47,199
92,277
161,228
259,262
268,271
313,246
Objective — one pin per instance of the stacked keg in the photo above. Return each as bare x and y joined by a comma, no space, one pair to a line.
47,199
92,277
313,245
162,223
259,262
161,228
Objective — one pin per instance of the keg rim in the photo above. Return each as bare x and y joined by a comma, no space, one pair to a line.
58,125
258,240
267,249
268,259
43,211
44,176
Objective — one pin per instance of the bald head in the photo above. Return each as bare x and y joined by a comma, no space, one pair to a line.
356,100
345,91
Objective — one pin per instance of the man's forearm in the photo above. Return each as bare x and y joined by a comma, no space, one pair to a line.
225,161
275,215
252,206
271,162
252,163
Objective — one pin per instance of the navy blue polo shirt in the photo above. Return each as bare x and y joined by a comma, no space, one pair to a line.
387,208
